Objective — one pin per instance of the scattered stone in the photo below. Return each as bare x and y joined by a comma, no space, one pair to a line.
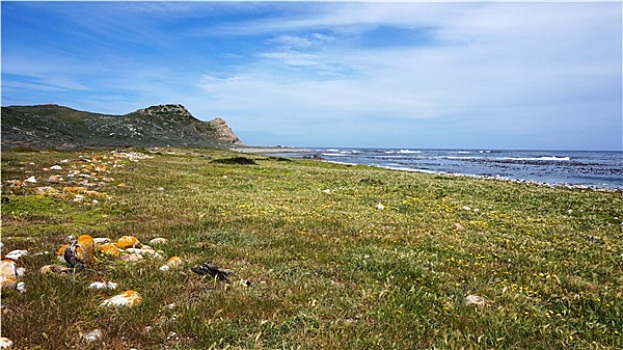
60,253
8,273
93,336
14,183
21,287
458,227
103,285
380,206
128,298
101,240
80,253
46,269
16,254
160,188
131,257
78,198
56,167
46,191
173,262
31,179
78,189
54,179
128,242
109,249
466,208
476,300
158,240
5,343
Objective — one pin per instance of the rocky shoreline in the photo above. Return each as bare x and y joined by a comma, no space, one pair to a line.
268,150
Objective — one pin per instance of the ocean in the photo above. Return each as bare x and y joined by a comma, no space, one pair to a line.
585,169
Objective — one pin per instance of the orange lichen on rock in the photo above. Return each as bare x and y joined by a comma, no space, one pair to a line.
128,242
88,243
109,249
174,261
80,252
8,273
78,189
127,298
60,253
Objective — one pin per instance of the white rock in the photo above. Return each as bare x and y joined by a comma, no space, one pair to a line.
20,271
127,298
160,188
380,206
79,198
466,208
101,240
21,287
16,254
165,268
5,343
103,285
93,336
56,167
158,240
31,179
475,300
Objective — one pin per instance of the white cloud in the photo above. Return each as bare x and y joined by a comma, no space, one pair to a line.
518,68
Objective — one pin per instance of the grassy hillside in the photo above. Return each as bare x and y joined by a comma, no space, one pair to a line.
319,263
53,126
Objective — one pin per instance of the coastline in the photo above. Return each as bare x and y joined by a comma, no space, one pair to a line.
286,151
268,149
486,177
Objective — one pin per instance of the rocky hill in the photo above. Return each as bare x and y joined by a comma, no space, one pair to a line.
53,126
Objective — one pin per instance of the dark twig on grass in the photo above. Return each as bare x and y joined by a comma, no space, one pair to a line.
214,271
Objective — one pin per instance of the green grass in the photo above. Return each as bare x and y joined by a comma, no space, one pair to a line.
328,269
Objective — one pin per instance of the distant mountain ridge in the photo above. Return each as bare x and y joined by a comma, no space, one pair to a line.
54,126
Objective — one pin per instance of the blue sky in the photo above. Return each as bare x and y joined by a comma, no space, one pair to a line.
496,75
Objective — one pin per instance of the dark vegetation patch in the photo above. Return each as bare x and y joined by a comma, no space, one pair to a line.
235,161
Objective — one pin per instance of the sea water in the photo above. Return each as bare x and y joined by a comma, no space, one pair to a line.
593,169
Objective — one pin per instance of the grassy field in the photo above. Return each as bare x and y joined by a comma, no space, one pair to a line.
327,267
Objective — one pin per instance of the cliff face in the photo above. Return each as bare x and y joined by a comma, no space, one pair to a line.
226,133
47,126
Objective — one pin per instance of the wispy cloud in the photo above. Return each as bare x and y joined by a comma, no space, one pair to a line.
388,71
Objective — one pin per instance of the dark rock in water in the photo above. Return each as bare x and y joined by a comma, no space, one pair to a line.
235,160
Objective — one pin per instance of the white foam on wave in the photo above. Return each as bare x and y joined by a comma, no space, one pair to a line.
334,154
551,158
408,151
459,157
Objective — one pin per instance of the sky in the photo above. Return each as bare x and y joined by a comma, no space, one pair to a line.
460,75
